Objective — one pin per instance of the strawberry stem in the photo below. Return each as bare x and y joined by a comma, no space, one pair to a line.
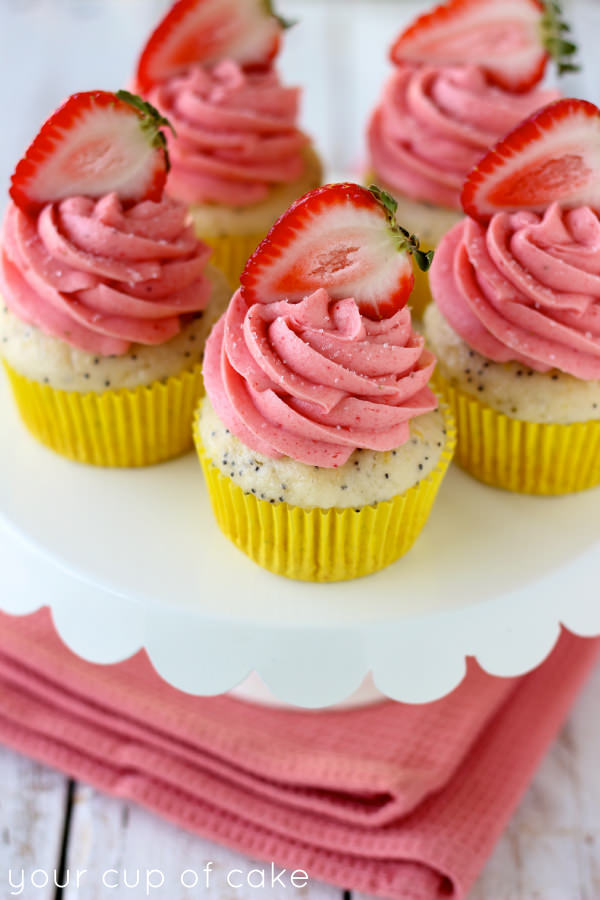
285,23
554,29
407,242
151,121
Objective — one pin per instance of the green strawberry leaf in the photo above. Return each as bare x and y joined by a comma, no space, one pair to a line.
553,30
407,242
285,23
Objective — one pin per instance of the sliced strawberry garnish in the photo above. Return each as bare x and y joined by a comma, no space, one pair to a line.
511,39
207,31
552,157
341,237
95,143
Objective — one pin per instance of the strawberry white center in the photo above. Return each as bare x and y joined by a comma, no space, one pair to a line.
105,151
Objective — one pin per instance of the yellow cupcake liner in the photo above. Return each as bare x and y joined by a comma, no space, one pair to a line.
322,545
420,297
139,427
231,253
521,456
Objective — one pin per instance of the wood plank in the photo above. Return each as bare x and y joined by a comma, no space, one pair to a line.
32,808
108,834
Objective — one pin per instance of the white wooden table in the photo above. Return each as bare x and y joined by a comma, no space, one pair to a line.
551,850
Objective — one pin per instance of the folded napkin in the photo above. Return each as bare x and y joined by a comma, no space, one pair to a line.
404,802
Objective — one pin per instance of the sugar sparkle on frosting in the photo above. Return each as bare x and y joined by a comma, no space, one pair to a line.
315,380
526,288
236,133
101,277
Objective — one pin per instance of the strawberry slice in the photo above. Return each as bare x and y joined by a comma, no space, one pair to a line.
207,31
554,156
510,39
341,237
95,143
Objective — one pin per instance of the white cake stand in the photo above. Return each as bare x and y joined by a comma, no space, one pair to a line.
132,558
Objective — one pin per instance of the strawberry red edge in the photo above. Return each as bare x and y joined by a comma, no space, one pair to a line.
368,198
524,135
62,118
144,81
444,9
344,190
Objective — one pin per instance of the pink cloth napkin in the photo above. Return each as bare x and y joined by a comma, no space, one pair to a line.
404,802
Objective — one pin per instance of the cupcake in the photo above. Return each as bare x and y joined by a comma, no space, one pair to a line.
464,75
239,159
321,443
106,293
516,320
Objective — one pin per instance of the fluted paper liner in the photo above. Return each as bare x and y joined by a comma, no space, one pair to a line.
231,253
137,427
522,456
323,544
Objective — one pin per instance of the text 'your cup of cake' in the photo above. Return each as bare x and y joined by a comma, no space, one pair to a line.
516,321
322,445
464,75
238,158
107,295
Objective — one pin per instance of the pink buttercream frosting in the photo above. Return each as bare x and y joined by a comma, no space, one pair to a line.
236,134
433,125
101,277
526,288
315,380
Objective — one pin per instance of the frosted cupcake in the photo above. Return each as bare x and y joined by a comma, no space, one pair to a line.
464,75
322,445
106,295
239,159
516,320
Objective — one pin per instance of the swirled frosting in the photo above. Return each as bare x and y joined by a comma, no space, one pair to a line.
101,277
526,288
315,380
236,134
433,125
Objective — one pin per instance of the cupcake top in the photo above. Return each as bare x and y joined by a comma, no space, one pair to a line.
433,124
316,372
92,253
465,74
208,66
520,279
316,380
100,276
526,288
236,133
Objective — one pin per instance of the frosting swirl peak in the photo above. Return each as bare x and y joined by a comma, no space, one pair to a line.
315,380
526,288
434,123
101,277
236,133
